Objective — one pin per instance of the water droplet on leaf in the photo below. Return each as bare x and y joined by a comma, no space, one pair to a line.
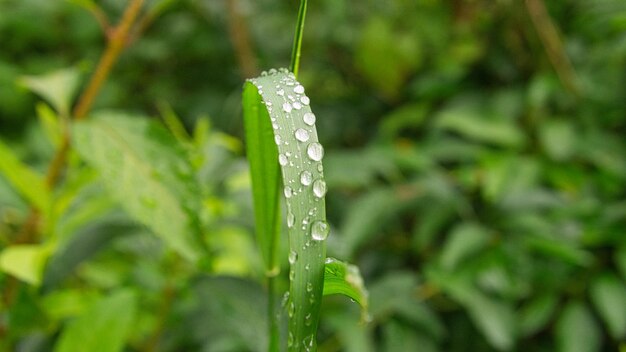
306,178
319,188
315,151
320,230
302,135
309,118
282,159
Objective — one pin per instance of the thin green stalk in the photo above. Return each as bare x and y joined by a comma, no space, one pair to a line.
274,343
297,39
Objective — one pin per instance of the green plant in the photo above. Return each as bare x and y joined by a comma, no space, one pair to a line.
474,161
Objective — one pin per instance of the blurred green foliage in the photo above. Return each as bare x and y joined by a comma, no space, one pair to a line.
480,189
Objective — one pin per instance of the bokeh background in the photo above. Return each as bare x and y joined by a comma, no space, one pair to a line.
475,158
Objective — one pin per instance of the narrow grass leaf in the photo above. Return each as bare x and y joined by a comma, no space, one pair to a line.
264,172
277,102
25,180
147,172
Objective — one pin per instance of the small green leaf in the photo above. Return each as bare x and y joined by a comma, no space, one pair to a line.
558,139
103,328
25,261
536,314
147,172
465,240
608,294
577,330
49,122
492,316
474,125
28,183
58,88
345,279
367,217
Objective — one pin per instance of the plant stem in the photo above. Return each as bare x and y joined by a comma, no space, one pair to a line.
240,38
274,341
297,39
116,44
549,36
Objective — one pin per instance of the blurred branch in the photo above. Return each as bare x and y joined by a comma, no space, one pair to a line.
240,38
549,36
97,13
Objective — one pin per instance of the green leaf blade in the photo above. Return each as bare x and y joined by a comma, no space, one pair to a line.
281,102
264,172
148,174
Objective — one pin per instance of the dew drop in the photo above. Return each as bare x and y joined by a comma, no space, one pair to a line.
320,167
293,256
319,188
315,151
264,73
309,118
288,192
287,107
290,339
272,71
298,89
282,159
302,135
305,100
292,309
297,105
277,139
292,275
320,230
280,92
309,287
291,219
307,320
306,178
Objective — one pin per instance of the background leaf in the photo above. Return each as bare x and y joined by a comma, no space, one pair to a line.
577,330
57,87
147,173
104,327
608,294
26,181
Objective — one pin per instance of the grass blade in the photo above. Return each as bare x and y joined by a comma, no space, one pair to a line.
297,39
282,104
